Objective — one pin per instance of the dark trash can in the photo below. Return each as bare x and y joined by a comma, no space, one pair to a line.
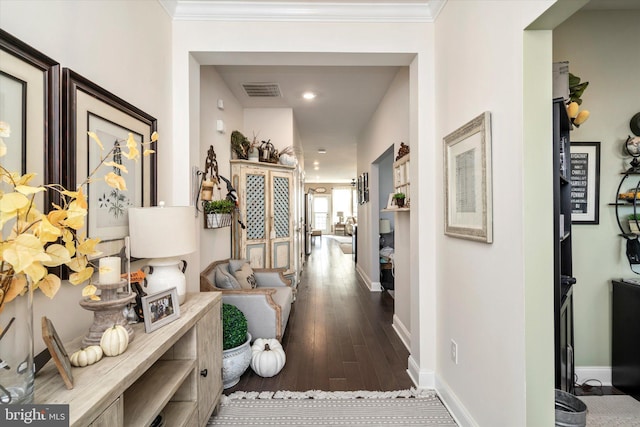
570,411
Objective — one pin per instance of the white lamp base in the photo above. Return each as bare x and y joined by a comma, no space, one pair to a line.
165,273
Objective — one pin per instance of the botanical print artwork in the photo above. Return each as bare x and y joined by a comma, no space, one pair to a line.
113,203
466,181
108,213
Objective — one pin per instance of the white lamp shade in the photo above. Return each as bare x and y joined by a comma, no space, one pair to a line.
385,226
162,231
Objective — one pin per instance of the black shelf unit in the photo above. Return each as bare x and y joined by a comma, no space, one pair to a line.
624,208
563,271
625,337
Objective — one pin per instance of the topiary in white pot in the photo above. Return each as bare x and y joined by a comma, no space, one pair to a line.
236,348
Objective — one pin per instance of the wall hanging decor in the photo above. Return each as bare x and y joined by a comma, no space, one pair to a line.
468,181
29,143
634,124
87,107
217,212
585,182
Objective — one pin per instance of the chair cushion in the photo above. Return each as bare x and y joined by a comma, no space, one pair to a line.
224,279
245,277
236,264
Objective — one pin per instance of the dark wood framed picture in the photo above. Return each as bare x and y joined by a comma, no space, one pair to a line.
29,105
87,107
585,182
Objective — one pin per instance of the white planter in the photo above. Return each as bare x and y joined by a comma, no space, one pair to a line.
633,226
235,362
287,160
254,156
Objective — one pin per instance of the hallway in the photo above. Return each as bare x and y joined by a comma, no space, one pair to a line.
339,335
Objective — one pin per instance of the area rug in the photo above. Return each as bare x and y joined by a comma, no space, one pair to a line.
612,411
320,408
346,248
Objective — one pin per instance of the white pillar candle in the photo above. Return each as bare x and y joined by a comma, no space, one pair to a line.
109,270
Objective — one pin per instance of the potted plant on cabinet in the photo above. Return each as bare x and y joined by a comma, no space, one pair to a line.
218,213
253,153
634,220
399,198
236,348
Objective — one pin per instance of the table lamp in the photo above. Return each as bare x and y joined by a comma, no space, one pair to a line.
340,216
385,226
163,234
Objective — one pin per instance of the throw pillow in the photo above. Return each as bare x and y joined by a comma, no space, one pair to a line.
224,279
245,277
236,264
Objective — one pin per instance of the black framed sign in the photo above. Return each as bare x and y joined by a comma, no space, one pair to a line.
585,182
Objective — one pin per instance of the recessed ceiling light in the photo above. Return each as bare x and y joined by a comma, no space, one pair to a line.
316,168
322,151
308,95
316,163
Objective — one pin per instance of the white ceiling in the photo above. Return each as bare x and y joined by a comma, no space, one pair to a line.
347,96
349,87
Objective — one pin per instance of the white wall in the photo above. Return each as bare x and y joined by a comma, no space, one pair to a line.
481,287
290,43
120,46
388,125
215,244
599,46
275,124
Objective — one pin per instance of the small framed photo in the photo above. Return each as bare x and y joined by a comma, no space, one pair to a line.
57,351
159,309
391,203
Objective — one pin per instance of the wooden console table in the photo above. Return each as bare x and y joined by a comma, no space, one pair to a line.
176,369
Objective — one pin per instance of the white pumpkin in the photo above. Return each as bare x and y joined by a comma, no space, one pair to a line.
114,340
267,357
86,356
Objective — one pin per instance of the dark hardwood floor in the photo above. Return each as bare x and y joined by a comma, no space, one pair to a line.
339,336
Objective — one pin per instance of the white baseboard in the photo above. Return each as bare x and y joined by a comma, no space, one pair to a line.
421,378
600,373
402,332
372,286
457,410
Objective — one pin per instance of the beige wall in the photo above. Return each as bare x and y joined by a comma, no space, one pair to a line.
481,305
481,287
601,47
388,126
197,43
215,244
121,46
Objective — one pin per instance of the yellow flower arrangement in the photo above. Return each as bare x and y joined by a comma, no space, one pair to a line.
35,241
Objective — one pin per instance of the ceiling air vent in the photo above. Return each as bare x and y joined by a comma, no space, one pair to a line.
262,90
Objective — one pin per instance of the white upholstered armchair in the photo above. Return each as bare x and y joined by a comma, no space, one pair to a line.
263,295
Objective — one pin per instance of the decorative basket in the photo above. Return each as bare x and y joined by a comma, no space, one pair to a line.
217,220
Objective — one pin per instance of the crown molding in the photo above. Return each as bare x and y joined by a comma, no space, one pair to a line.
218,10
